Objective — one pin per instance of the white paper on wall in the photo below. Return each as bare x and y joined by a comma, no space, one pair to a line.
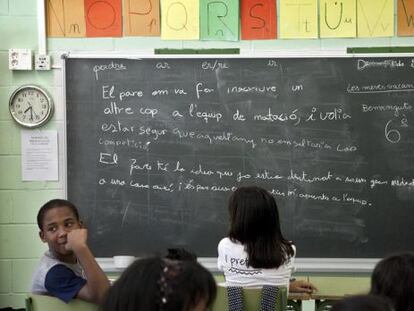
39,155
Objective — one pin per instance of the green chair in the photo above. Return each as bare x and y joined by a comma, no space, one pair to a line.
251,299
49,303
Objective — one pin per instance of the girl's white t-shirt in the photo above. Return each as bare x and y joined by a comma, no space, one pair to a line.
233,261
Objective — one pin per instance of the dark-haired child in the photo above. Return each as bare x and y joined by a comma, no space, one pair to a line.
393,277
68,269
362,303
156,283
255,253
180,254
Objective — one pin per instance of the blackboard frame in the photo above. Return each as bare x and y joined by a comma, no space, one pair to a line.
339,265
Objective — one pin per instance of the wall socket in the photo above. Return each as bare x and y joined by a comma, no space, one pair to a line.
42,62
20,59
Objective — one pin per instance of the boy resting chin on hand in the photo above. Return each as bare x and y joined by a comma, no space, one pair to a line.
68,269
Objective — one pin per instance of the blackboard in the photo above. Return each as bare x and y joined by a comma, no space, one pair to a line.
155,146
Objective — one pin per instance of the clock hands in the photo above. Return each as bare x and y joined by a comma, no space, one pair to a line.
31,112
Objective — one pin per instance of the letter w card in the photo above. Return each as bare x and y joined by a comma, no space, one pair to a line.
258,18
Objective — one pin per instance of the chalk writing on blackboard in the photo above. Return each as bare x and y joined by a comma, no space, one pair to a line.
158,145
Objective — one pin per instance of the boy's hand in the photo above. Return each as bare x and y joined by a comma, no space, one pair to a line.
301,286
76,239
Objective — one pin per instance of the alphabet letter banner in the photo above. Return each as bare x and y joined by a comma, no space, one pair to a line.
258,19
179,20
405,12
298,19
142,17
103,18
219,20
65,18
337,18
375,18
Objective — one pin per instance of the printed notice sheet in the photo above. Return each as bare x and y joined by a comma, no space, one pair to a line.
39,155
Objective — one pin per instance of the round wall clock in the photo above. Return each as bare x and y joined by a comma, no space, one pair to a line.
31,106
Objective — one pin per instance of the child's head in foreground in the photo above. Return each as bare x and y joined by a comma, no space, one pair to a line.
393,277
56,219
363,303
180,254
155,284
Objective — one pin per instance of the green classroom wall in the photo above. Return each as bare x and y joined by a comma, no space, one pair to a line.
20,247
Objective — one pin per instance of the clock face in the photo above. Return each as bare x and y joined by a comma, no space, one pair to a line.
30,106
